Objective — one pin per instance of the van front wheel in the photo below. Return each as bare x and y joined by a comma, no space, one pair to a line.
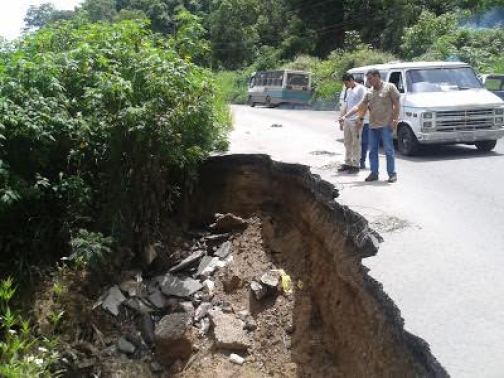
250,101
407,142
485,145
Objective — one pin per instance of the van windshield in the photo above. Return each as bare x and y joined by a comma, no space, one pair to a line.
441,79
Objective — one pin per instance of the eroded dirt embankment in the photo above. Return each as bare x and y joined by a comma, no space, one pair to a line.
345,325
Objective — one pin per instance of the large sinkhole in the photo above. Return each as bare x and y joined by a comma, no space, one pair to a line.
343,324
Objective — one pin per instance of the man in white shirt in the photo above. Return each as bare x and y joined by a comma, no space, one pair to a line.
352,129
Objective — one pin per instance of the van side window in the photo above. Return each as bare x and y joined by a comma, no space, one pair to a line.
396,79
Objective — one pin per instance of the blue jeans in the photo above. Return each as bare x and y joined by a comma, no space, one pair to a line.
375,135
364,144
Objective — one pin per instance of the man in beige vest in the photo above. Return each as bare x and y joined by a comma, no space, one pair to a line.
352,128
382,100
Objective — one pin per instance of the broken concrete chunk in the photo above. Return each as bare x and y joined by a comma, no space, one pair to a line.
113,300
207,266
271,279
125,346
224,250
258,290
202,311
228,331
173,338
188,261
236,359
185,287
228,223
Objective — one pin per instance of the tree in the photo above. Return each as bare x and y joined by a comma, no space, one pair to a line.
100,10
38,16
418,38
233,33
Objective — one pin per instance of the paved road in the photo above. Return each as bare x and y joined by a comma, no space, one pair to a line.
442,261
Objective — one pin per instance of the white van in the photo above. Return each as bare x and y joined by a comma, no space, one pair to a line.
442,103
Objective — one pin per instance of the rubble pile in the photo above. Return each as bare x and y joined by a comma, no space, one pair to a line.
224,306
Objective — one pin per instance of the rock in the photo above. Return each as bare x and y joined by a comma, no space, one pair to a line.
224,250
186,307
216,238
158,299
172,285
147,329
228,331
131,287
173,338
271,279
204,326
228,223
236,359
125,346
150,254
202,311
258,290
138,305
156,367
243,315
113,300
227,308
210,286
188,261
172,303
207,266
250,324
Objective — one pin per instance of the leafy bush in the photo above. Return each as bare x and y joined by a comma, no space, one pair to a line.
234,85
21,353
418,39
101,126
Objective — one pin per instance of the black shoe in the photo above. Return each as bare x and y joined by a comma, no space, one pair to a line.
392,178
353,170
343,168
372,177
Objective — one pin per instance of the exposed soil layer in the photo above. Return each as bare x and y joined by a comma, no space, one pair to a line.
282,288
343,324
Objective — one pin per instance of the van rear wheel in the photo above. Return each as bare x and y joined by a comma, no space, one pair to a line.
407,142
485,145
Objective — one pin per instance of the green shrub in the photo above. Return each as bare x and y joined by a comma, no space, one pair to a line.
21,353
101,126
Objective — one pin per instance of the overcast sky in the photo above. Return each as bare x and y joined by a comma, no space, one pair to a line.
12,13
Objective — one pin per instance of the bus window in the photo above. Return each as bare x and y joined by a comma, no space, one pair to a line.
297,80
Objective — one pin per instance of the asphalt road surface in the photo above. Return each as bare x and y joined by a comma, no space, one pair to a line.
442,261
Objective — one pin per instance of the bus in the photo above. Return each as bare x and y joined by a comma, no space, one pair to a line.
272,88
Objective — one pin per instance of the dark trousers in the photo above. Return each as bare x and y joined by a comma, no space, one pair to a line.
364,144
